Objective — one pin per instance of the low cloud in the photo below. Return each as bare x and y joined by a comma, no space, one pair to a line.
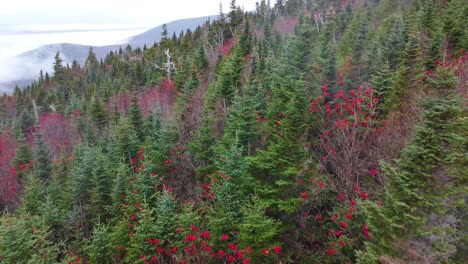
23,70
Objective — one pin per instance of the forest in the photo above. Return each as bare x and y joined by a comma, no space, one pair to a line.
308,131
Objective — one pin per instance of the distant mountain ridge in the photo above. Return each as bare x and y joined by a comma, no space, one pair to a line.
31,62
154,34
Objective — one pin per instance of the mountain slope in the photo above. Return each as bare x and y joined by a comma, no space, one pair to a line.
261,138
30,63
154,34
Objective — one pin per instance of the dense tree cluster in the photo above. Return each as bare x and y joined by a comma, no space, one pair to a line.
309,131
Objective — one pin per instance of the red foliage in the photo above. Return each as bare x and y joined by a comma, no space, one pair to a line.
226,48
258,33
162,97
8,180
292,21
9,106
159,97
348,124
285,26
121,102
457,65
58,132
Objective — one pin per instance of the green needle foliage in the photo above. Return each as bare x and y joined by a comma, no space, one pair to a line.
308,131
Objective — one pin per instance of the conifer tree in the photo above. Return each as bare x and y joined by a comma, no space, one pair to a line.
101,199
455,17
235,17
42,163
101,246
82,180
242,121
127,140
98,113
256,229
136,118
91,67
23,157
33,195
201,60
59,70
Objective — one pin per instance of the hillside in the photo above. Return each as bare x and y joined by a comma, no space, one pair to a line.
304,132
32,62
153,35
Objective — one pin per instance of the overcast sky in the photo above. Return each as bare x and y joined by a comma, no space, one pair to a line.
59,14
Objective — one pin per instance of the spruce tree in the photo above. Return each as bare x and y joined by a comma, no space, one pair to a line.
42,163
59,70
100,249
101,199
136,119
97,113
256,229
23,157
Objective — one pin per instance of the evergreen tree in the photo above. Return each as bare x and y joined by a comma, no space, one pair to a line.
242,121
42,163
242,167
91,67
23,157
24,122
97,113
200,59
235,16
455,17
100,248
101,199
256,229
164,42
136,118
59,69
127,140
82,180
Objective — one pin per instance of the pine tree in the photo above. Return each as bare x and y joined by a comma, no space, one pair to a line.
164,42
82,180
101,199
201,60
23,157
127,140
235,16
91,67
24,122
245,39
242,124
279,162
227,215
33,195
97,113
100,250
59,70
256,229
42,163
136,119
228,82
455,17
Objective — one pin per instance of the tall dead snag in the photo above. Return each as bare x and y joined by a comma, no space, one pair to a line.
169,66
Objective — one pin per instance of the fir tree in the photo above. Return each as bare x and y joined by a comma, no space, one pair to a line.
136,118
101,199
23,157
42,163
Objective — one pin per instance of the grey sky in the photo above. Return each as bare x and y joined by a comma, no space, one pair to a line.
27,14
